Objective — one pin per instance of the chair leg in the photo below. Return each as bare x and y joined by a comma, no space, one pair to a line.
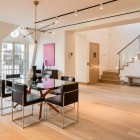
78,111
1,107
63,115
74,105
22,117
46,112
12,111
32,109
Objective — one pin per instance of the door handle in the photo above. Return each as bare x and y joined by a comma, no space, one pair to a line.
89,64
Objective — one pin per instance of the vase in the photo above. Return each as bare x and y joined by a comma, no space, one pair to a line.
29,74
43,66
34,73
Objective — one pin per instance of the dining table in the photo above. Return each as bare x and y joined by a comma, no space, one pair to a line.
45,85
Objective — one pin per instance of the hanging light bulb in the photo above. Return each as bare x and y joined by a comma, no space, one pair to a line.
101,6
75,13
57,21
41,23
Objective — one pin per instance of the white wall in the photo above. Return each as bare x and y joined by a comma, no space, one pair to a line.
100,36
120,36
81,58
70,54
5,29
59,40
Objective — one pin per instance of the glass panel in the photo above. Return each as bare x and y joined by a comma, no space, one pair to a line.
130,53
7,47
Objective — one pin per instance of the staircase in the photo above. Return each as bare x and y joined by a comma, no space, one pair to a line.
110,77
129,53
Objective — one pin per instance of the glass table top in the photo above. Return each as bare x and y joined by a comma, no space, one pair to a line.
45,83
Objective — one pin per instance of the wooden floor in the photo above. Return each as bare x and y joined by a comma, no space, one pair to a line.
107,112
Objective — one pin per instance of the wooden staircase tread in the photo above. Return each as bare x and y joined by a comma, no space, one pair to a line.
111,80
110,77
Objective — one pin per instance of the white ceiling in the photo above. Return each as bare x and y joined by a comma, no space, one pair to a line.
22,12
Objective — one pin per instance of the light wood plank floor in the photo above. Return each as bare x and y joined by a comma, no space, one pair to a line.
107,112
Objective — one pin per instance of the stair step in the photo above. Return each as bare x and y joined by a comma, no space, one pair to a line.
110,73
110,77
115,82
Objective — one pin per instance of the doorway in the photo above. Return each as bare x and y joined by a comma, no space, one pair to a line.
93,63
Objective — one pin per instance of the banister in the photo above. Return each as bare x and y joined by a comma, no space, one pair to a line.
128,45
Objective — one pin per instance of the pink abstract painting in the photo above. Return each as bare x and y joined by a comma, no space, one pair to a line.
49,54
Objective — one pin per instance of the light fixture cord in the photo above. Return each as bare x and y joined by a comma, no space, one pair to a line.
35,23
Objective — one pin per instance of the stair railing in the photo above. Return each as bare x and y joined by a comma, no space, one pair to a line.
129,53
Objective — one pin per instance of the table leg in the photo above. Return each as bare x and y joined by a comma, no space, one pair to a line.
40,112
44,95
53,108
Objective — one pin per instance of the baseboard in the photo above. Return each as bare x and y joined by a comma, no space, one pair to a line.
84,83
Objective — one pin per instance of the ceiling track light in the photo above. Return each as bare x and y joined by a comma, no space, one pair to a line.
56,17
80,10
101,6
57,20
88,21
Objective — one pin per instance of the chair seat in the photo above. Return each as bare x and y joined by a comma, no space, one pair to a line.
56,91
33,98
54,100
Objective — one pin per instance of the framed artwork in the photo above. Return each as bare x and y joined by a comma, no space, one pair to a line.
49,54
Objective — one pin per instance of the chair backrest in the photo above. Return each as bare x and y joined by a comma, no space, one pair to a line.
38,71
70,93
12,76
9,83
67,78
19,93
2,88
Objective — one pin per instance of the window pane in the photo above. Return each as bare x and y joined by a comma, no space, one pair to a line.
13,59
7,47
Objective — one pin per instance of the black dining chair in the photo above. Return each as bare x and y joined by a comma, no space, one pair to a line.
12,76
20,96
4,93
65,78
9,83
69,95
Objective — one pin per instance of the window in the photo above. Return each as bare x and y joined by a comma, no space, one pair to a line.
13,59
